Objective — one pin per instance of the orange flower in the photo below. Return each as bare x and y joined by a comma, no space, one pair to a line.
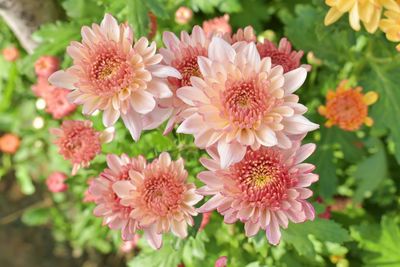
9,143
10,54
348,107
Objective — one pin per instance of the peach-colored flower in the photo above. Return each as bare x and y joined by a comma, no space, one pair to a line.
109,74
282,55
348,107
56,182
242,101
9,143
42,88
217,25
183,15
46,65
161,198
79,143
57,103
221,262
10,54
266,189
182,54
109,205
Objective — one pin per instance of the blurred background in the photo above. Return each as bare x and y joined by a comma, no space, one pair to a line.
357,198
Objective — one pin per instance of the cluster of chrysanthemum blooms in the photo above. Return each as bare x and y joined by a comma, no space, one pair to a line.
233,94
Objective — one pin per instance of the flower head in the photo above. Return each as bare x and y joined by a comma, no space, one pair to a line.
109,74
265,190
57,103
221,261
282,55
367,11
242,101
161,198
217,25
10,54
109,205
56,182
182,54
348,107
46,65
183,15
79,143
9,143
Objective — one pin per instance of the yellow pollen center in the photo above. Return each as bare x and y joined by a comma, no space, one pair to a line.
261,180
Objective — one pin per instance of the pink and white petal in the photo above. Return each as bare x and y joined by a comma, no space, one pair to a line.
190,95
110,26
123,188
170,40
191,125
142,102
179,228
159,88
205,66
133,123
220,50
114,163
107,135
273,232
304,152
110,116
266,136
230,153
294,79
162,71
156,117
63,79
211,204
153,238
298,124
251,229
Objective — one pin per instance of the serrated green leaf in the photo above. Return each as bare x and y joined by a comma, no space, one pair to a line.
323,230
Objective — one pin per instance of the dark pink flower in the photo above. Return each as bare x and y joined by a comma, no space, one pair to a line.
56,182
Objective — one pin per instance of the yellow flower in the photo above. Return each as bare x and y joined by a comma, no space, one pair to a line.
367,11
348,107
391,26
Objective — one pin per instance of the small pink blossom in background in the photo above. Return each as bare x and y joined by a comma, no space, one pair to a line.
42,87
108,204
217,25
57,103
205,220
265,190
182,54
56,182
183,15
113,74
79,143
221,262
10,54
46,65
241,101
282,55
161,198
128,246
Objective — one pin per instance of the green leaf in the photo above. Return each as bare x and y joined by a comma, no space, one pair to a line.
6,96
82,8
138,17
370,173
36,216
156,6
380,244
324,230
24,180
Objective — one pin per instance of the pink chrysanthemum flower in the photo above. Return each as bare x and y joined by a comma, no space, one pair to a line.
266,189
109,74
57,103
161,198
56,182
109,205
217,25
46,65
242,101
282,55
182,54
79,143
